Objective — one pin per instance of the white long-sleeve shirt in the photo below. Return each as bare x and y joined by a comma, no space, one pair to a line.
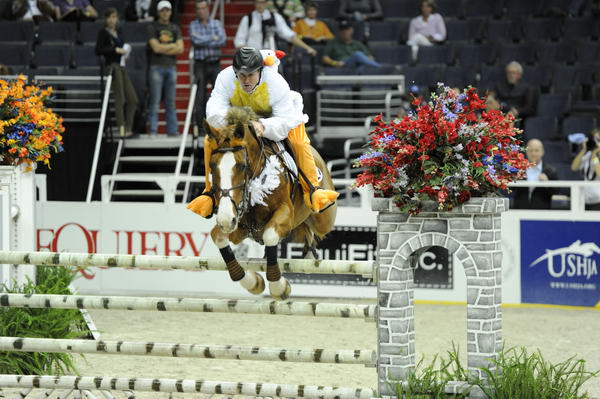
434,27
281,108
252,36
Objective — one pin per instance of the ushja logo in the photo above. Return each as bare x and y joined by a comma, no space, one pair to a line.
575,260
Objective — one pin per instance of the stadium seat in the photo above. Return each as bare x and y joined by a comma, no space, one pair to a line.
482,8
102,5
523,53
537,76
53,55
400,8
88,32
56,32
579,28
438,54
16,32
541,127
523,8
135,32
328,8
14,54
392,55
454,76
473,55
421,75
557,152
501,31
384,32
555,105
588,52
551,53
565,79
541,29
578,124
449,8
457,29
490,76
85,56
565,173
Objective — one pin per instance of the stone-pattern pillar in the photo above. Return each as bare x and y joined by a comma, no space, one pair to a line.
472,232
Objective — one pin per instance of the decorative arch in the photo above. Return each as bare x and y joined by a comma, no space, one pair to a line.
472,233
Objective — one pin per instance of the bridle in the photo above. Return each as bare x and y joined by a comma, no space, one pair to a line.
248,175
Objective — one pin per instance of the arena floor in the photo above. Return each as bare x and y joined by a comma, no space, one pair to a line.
557,333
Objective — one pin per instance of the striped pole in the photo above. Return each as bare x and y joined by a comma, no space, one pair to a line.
189,386
364,268
288,308
236,352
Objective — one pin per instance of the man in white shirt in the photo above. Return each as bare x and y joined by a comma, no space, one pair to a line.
259,28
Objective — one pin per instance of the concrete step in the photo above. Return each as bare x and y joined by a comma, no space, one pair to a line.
151,159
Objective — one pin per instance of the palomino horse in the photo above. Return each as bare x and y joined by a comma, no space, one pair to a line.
256,198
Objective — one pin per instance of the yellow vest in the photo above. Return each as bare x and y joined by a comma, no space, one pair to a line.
258,100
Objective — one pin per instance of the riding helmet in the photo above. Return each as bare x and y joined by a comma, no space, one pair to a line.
247,60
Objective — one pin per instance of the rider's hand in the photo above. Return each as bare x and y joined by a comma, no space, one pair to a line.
258,128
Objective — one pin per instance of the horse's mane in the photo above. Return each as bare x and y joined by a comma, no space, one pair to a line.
241,115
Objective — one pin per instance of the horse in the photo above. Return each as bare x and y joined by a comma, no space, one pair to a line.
255,196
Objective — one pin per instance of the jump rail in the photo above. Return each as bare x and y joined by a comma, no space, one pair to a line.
200,351
364,268
185,386
289,308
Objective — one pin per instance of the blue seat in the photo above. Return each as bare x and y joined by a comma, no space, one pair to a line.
56,32
490,76
14,54
537,76
450,8
421,75
384,31
578,124
102,5
457,29
554,53
85,56
554,105
579,28
588,52
53,55
541,29
135,32
473,55
565,79
541,127
328,8
88,32
482,8
556,152
454,76
501,31
523,8
523,53
16,31
400,8
392,54
438,54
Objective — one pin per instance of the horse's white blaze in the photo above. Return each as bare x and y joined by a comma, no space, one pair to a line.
226,212
270,237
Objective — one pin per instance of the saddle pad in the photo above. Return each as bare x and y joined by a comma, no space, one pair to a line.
291,163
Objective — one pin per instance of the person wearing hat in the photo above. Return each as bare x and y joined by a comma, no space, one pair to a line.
344,51
248,83
165,42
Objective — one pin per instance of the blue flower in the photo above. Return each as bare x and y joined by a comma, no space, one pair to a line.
388,138
448,114
370,155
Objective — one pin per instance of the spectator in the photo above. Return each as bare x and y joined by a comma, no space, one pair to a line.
142,10
427,29
175,9
5,70
536,197
311,29
344,51
165,42
291,10
360,10
34,10
111,46
258,30
75,10
208,36
588,163
515,96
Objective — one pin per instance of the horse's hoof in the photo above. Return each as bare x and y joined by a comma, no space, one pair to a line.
259,286
276,291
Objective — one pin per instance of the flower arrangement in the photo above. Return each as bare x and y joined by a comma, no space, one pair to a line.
448,150
29,130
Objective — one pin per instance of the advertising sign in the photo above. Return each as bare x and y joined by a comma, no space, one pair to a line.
433,268
559,262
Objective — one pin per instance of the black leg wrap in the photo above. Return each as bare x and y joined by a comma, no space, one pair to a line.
273,272
227,254
233,267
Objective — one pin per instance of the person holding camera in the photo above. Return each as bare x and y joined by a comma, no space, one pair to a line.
588,164
259,28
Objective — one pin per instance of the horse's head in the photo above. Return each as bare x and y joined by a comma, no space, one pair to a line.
231,166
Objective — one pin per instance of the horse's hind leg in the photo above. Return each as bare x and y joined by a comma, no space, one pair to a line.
278,227
250,280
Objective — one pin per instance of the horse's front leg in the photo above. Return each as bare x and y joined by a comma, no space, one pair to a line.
250,280
277,228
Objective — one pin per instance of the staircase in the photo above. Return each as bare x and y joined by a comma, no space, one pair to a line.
145,159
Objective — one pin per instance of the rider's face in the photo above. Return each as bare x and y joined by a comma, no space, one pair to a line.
248,81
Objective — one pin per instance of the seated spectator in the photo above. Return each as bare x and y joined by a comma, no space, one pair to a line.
515,96
344,51
360,10
34,10
492,102
5,70
259,29
427,29
291,10
75,10
588,164
111,46
142,10
311,29
536,197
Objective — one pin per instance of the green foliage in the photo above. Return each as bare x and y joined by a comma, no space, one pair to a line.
41,323
528,375
517,374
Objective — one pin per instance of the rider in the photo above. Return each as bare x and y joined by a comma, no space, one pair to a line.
248,83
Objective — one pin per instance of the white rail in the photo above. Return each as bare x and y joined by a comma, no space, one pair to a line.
576,187
186,128
90,190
